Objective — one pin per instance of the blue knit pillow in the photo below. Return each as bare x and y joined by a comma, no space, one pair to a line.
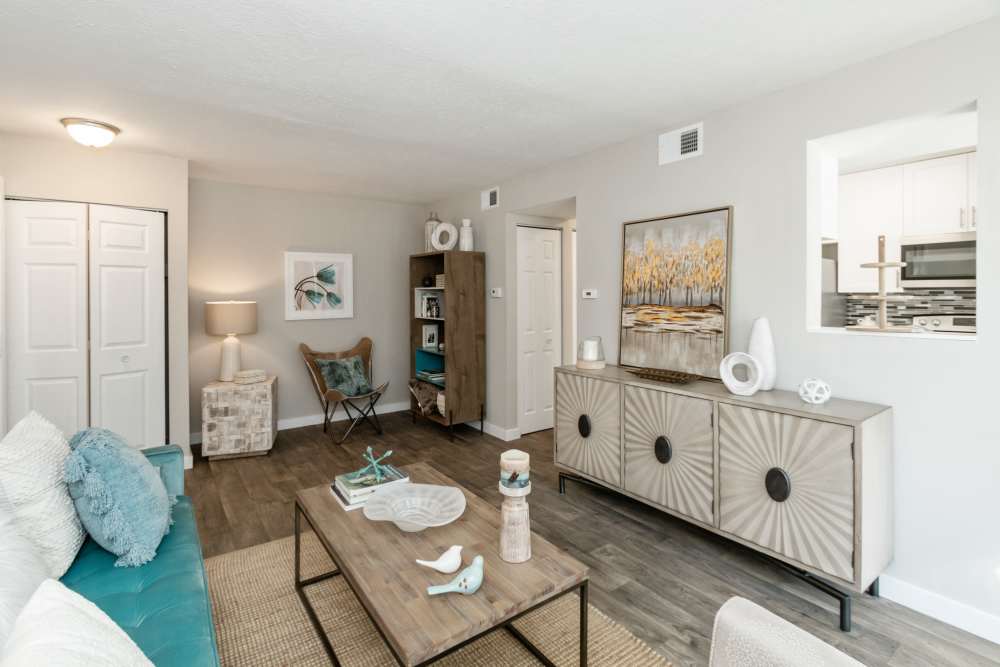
345,375
118,494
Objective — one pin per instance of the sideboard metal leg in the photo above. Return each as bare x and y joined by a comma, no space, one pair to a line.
843,597
562,484
873,589
845,613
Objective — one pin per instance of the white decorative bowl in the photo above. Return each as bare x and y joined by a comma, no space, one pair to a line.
414,507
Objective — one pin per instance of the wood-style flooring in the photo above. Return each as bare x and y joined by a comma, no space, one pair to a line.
660,577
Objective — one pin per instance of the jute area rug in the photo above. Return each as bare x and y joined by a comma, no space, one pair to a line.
260,621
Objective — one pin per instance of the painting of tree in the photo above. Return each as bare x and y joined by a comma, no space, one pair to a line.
674,285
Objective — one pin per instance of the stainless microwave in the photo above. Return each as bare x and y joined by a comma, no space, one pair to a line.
941,260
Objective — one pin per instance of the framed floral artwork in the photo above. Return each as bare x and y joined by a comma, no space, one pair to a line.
319,285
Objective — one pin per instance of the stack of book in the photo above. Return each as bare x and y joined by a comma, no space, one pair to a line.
439,280
352,493
250,376
434,377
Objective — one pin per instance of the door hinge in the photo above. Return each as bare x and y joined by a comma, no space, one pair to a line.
852,450
711,419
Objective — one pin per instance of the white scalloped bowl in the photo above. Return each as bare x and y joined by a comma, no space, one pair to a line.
414,507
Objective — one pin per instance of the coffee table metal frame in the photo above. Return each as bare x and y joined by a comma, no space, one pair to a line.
301,584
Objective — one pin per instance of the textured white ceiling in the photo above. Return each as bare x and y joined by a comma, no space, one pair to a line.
410,100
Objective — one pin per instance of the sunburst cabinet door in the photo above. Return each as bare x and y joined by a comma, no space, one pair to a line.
588,423
668,451
788,484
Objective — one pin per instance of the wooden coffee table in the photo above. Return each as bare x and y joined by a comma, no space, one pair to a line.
376,559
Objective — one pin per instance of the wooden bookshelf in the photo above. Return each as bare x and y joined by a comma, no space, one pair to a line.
462,329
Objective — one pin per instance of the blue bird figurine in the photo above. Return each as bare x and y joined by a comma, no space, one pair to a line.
465,582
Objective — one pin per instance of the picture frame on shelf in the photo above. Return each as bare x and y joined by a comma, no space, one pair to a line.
319,285
430,337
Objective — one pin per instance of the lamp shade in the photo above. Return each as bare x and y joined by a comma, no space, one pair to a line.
230,317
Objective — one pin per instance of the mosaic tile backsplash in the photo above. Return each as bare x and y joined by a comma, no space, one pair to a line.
927,302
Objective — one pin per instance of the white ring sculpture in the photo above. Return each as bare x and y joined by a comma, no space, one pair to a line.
444,228
755,376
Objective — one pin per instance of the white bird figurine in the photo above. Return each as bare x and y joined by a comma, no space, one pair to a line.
465,582
447,562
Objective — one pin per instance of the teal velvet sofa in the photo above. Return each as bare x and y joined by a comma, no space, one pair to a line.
163,605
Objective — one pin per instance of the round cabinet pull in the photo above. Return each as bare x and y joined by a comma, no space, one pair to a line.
583,425
663,450
778,485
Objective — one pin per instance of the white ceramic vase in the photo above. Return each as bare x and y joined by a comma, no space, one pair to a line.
432,222
761,348
465,240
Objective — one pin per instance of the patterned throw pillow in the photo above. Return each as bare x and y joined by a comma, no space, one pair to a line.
119,495
345,375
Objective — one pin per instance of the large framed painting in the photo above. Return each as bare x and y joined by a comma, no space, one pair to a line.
318,285
675,292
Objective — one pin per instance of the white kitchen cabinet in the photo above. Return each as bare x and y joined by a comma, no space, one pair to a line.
937,195
870,204
973,191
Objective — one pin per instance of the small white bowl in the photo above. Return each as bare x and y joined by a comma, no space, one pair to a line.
413,507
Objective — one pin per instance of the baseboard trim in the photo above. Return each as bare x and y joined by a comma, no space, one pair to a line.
312,420
505,434
942,608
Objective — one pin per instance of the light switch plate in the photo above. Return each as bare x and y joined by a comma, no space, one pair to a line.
589,294
496,292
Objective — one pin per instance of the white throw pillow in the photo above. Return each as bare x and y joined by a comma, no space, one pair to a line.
32,457
21,571
60,628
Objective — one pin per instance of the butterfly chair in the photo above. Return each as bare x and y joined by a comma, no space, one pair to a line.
360,407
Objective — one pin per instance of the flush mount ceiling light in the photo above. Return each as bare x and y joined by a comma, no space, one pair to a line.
92,133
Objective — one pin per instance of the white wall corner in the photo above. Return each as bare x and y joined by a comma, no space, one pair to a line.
942,608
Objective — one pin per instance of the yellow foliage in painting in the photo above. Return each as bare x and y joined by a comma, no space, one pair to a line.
698,270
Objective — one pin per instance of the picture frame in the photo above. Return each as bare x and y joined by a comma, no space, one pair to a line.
674,308
430,336
318,285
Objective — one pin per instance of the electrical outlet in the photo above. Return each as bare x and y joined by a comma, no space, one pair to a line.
589,294
496,292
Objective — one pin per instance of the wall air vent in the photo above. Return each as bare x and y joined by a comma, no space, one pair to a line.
490,198
683,143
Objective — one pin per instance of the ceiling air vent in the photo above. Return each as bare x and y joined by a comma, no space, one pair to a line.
682,144
490,198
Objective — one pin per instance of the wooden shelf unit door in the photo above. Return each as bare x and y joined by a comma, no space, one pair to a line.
462,329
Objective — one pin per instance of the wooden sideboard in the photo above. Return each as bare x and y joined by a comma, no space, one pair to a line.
807,485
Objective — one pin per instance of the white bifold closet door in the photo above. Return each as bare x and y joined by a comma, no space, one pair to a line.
85,318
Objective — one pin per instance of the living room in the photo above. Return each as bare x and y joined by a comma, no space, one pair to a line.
653,330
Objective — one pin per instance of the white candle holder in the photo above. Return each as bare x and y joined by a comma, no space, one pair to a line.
515,523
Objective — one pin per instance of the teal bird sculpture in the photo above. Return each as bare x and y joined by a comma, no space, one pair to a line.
465,582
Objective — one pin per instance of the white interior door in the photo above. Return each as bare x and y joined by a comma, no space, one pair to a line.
3,315
539,324
46,258
127,360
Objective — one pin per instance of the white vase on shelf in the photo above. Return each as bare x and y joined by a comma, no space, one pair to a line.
761,348
432,222
465,241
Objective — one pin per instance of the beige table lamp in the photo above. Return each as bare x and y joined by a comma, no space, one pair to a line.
230,319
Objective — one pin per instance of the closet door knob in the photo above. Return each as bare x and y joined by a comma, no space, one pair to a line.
125,359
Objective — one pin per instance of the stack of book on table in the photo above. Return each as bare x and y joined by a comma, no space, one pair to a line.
352,492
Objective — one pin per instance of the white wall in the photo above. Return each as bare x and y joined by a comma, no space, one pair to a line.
947,441
238,238
64,170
